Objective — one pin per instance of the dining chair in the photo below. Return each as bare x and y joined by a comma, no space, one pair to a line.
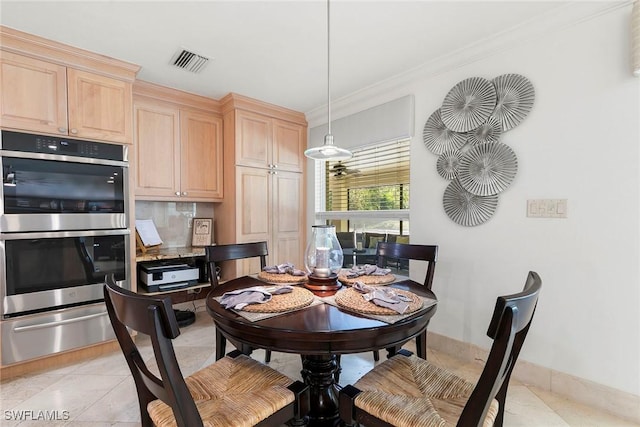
235,390
395,252
386,251
406,391
217,254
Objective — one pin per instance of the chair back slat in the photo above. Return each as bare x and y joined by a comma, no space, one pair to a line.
129,305
153,316
429,253
522,304
216,254
509,326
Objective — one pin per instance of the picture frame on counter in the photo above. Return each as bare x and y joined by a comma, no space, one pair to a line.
202,232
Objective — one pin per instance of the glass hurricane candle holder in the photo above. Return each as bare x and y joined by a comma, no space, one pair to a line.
323,257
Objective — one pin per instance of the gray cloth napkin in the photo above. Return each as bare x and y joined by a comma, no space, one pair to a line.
367,270
384,297
285,268
255,295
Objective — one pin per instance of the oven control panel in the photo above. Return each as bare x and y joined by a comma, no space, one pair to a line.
31,143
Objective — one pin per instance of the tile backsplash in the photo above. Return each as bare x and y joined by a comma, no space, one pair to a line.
174,219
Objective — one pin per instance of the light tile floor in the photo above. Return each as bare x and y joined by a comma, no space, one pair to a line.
100,392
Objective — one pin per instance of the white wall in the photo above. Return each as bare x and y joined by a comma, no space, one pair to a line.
581,143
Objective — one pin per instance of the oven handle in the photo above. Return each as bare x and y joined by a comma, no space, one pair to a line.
64,158
61,234
57,323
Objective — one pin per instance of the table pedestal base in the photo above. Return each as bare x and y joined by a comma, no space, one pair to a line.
318,373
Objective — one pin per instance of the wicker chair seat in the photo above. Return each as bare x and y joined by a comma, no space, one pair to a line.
239,392
411,392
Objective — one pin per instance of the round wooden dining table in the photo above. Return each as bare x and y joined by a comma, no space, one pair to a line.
318,333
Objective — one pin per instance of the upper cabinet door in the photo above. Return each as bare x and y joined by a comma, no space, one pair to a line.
99,107
288,145
201,155
253,140
33,94
157,145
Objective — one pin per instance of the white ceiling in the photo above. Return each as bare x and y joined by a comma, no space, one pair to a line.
271,50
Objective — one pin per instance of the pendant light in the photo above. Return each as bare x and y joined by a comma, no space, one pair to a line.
635,38
328,151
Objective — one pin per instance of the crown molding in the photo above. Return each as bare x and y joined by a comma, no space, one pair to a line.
553,21
234,101
185,99
12,40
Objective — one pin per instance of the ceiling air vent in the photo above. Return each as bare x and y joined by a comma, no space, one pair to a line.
189,61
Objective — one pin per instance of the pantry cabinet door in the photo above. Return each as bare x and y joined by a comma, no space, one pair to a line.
288,218
289,142
253,140
253,224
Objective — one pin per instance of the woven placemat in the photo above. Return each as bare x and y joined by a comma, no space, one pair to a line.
280,278
389,319
367,280
298,298
352,300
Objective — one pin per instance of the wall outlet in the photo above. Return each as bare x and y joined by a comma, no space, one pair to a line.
547,208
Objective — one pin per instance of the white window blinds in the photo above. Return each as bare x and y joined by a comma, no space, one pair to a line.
374,183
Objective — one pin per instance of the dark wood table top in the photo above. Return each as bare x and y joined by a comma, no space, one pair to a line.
320,329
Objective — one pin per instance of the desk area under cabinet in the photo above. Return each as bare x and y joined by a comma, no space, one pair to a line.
178,272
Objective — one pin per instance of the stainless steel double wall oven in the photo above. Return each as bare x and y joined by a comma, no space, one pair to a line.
63,226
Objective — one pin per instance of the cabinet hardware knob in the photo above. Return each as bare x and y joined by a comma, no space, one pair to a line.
74,131
177,193
275,166
184,193
62,130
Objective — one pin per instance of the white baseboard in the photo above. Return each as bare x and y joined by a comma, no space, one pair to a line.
619,403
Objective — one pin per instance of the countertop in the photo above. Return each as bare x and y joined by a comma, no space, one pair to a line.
169,253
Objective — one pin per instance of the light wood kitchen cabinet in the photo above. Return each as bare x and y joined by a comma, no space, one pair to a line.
41,96
99,107
201,162
264,182
157,146
178,148
31,94
263,141
271,211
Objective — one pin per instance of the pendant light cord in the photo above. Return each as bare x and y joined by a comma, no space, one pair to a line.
328,67
328,150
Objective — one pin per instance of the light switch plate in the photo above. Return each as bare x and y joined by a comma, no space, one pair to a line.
547,208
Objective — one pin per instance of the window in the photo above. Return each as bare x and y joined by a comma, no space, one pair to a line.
369,191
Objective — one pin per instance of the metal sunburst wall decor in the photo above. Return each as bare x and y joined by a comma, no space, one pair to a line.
487,169
448,163
468,104
465,134
466,208
515,99
438,138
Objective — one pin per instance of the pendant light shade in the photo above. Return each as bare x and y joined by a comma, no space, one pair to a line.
328,151
635,38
